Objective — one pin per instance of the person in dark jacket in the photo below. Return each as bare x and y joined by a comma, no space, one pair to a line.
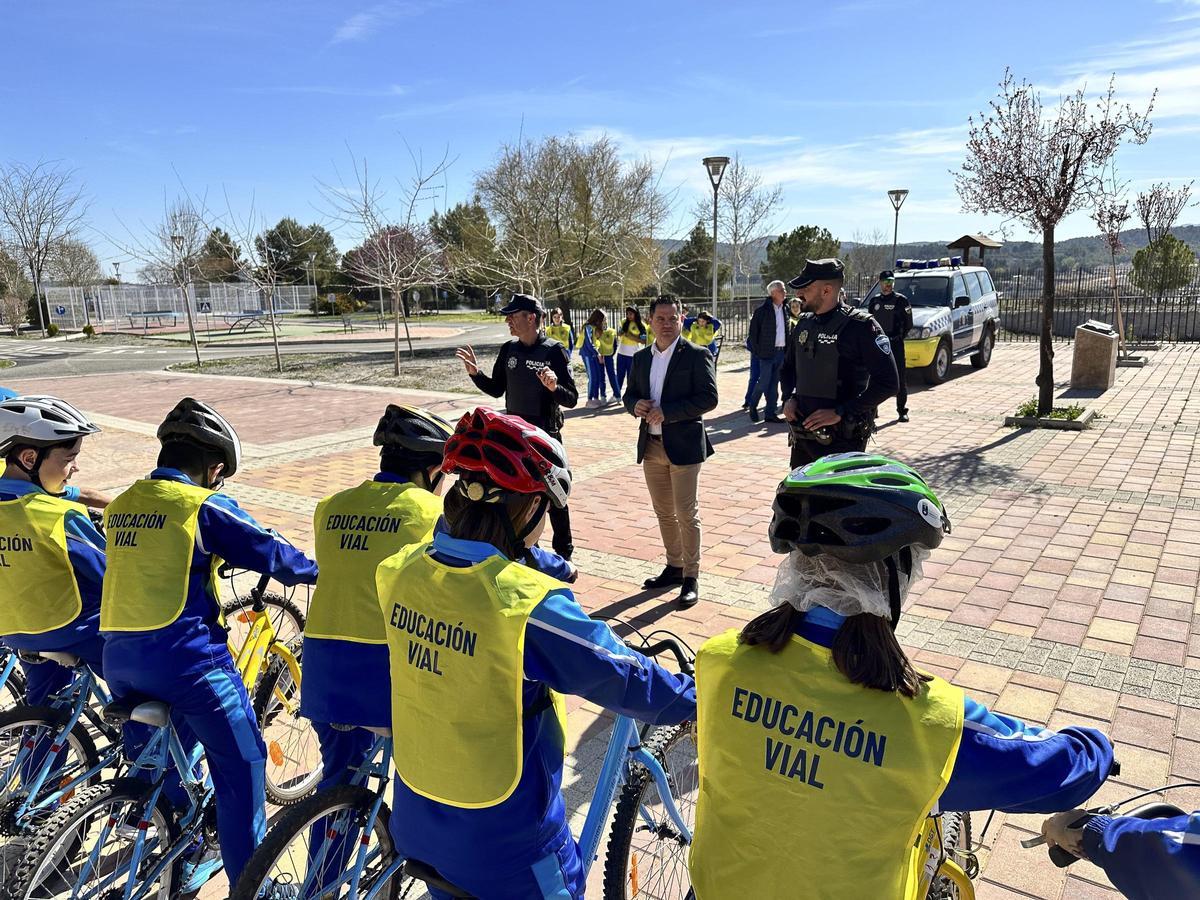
533,374
893,312
768,345
672,385
843,364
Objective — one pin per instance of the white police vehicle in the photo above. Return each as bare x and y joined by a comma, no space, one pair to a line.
955,313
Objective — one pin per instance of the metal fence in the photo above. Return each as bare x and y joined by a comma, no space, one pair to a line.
113,305
1079,295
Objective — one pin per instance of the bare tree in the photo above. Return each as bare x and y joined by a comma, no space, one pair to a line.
73,264
1159,208
170,251
571,216
745,216
14,288
870,254
40,205
1111,214
398,251
1038,165
256,261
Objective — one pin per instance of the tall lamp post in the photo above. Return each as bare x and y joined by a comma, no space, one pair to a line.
715,165
897,197
312,268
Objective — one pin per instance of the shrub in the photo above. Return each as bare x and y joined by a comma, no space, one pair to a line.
52,330
89,331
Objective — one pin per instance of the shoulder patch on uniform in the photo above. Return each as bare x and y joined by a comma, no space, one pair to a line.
884,344
861,314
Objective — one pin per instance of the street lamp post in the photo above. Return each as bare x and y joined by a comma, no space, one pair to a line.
715,165
897,197
180,274
312,272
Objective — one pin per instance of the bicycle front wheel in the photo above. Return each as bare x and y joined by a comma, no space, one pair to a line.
956,845
314,846
86,849
647,856
293,749
286,618
13,693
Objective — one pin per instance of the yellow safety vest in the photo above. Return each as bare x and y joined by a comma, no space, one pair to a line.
456,641
151,532
560,333
36,579
701,335
630,336
355,530
791,750
604,341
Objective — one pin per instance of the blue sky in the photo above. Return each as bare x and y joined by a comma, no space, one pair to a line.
836,102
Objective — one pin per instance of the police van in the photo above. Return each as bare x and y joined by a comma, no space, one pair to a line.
956,313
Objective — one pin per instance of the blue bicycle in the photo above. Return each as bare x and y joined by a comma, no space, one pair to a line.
123,839
49,752
336,844
12,680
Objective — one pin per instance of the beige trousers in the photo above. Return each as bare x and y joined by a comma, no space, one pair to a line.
673,494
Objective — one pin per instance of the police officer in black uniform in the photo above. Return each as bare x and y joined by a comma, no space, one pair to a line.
893,312
533,375
843,365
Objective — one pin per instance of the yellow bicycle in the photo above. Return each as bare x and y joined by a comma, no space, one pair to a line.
944,843
266,634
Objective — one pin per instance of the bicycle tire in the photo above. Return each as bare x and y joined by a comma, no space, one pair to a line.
271,716
54,720
621,869
13,694
60,829
956,834
288,624
296,823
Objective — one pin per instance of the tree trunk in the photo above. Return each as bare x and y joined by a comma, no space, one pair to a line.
1045,378
412,354
187,308
37,297
1117,308
274,330
396,332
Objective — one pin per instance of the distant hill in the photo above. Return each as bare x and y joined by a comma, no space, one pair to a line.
1074,253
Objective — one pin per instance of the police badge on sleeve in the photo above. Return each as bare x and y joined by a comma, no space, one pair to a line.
884,344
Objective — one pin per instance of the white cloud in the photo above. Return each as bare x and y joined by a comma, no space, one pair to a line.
364,24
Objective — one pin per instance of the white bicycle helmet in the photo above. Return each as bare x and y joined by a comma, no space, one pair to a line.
38,421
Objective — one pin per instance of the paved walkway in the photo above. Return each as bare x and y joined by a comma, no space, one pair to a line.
1067,592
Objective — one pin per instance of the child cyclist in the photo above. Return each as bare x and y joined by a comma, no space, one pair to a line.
478,730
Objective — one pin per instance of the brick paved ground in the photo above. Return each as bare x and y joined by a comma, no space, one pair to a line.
1067,592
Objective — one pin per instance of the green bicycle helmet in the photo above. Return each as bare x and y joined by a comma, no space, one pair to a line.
857,507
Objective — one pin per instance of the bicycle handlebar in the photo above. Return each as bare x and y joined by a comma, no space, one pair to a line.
675,648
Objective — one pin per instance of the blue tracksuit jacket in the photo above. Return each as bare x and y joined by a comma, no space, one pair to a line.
573,654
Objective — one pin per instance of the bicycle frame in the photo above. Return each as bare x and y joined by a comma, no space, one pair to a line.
10,663
163,748
624,748
81,691
938,863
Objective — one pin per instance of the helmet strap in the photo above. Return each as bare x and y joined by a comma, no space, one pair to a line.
517,540
32,471
893,588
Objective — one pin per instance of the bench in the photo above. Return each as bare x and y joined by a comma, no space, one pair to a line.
246,319
157,314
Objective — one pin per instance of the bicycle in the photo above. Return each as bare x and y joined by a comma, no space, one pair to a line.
49,752
122,838
267,654
12,680
291,862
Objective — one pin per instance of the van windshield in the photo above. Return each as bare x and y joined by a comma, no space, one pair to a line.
927,291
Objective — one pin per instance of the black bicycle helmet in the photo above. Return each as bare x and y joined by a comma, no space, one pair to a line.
858,507
408,430
200,424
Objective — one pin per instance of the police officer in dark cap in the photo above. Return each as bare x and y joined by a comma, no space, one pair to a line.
893,312
843,365
533,375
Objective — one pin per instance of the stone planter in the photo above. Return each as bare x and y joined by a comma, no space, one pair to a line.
1058,424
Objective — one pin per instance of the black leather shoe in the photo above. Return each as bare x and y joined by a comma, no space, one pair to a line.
669,577
753,415
689,593
774,420
902,417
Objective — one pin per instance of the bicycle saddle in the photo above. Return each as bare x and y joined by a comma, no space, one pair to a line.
428,874
150,712
70,660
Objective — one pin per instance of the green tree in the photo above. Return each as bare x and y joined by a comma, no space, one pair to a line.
466,233
786,254
220,257
1164,266
690,265
289,244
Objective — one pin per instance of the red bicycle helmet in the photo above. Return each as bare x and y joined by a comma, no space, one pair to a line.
512,454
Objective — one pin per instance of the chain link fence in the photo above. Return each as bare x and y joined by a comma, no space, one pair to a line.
127,305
